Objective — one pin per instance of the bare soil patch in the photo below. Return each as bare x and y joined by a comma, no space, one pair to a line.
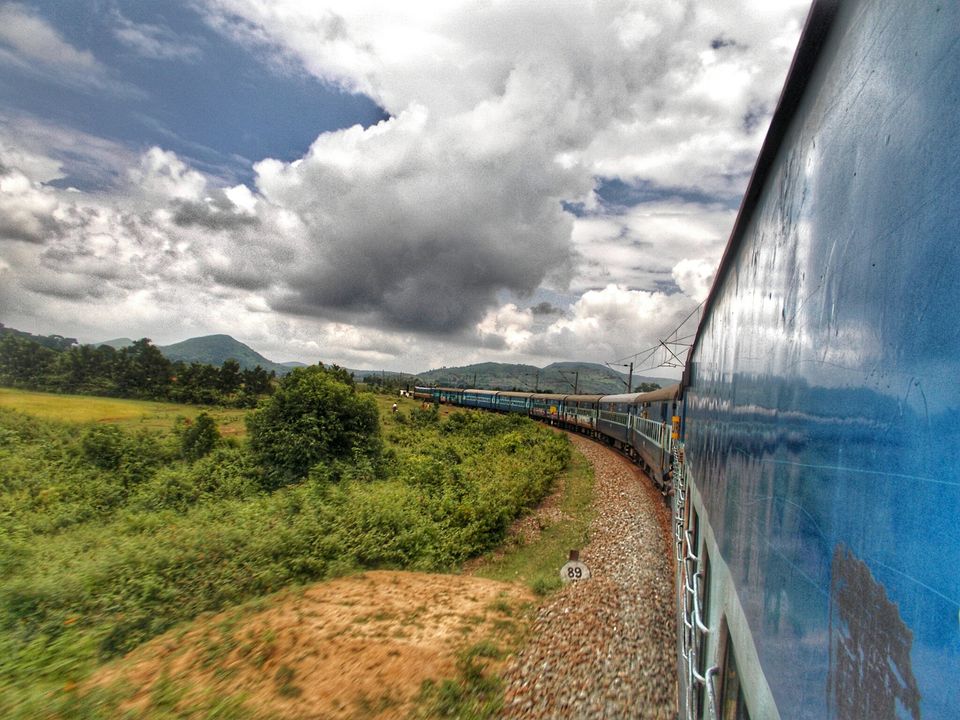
359,646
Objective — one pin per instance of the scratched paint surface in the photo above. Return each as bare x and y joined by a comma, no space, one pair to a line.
825,407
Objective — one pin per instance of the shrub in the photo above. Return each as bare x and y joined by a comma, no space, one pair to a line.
316,415
103,446
199,438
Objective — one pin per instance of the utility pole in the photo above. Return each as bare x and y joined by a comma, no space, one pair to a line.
537,386
630,379
576,382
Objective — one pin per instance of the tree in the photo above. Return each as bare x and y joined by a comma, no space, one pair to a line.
199,437
143,371
257,381
230,377
315,415
24,363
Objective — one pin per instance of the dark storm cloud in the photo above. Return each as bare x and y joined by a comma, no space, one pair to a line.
720,42
423,232
546,308
216,214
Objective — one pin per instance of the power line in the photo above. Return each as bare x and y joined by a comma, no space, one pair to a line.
673,338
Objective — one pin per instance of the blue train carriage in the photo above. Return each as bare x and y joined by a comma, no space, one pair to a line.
613,419
650,421
816,510
547,406
479,398
518,402
450,396
580,412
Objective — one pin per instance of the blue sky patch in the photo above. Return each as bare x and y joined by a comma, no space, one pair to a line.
168,79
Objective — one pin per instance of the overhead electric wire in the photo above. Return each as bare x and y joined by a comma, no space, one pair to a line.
671,339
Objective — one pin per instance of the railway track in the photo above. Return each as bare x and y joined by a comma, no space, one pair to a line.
605,647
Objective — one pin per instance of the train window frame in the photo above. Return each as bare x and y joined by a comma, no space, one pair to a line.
732,700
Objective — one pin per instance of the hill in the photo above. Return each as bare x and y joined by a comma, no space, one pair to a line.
116,343
215,349
54,342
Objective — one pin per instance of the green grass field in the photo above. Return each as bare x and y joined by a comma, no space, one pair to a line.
129,414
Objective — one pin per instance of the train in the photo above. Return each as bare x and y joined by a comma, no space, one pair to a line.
637,424
811,451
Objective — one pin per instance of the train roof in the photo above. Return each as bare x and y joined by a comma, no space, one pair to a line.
621,399
514,393
584,398
549,396
668,393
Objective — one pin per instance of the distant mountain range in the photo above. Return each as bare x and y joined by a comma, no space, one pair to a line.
560,377
213,350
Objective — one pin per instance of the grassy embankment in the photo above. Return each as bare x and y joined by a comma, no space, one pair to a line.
109,538
127,414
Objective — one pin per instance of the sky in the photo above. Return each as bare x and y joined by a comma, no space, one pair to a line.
381,185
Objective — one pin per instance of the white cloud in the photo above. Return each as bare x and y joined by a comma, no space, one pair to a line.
153,41
505,327
37,41
163,175
694,277
26,208
32,45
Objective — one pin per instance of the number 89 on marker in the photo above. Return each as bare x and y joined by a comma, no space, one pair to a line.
573,571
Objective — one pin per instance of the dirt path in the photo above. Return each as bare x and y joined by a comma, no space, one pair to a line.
357,647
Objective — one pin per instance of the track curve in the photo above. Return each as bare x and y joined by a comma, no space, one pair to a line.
605,647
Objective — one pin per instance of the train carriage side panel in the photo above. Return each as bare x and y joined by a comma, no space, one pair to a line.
650,431
546,406
822,425
518,402
614,416
581,410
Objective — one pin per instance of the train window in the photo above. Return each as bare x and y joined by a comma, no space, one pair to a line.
733,704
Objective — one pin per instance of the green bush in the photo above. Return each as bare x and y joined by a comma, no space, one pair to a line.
199,437
103,446
316,415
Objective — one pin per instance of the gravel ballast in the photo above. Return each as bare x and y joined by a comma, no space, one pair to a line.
604,647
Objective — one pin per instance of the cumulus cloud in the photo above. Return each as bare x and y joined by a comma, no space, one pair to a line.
26,208
408,225
421,221
694,277
605,324
162,174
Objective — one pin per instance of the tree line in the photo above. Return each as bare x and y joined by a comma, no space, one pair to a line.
139,371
